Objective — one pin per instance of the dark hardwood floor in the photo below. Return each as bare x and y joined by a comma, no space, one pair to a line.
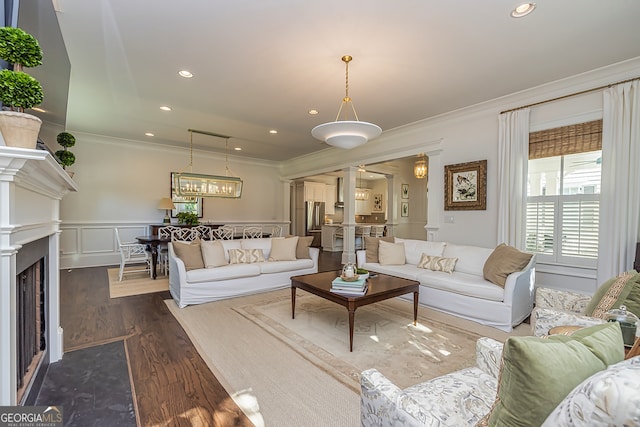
171,384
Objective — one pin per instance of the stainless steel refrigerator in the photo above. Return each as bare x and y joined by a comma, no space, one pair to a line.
314,216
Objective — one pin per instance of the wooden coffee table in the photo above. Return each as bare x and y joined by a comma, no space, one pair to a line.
381,287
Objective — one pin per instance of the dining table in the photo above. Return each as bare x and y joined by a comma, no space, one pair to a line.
153,241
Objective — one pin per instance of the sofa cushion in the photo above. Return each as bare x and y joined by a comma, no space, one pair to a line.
212,253
189,253
372,244
391,253
302,249
503,261
461,283
228,272
607,398
471,259
262,243
284,249
230,244
436,263
414,248
623,289
280,266
245,256
538,373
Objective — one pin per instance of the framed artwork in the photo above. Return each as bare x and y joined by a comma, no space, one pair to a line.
377,203
185,203
404,208
465,186
404,193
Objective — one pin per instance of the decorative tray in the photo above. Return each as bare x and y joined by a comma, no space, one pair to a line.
350,279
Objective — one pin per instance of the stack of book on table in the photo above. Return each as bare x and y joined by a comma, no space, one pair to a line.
349,287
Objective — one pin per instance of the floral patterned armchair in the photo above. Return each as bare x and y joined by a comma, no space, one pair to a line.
460,398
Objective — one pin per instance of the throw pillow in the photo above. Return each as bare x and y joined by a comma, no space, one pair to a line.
437,263
245,256
213,253
607,398
260,243
372,244
302,249
189,253
621,290
503,261
538,373
391,253
284,249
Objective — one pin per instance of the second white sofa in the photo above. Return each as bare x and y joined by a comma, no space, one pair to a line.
464,292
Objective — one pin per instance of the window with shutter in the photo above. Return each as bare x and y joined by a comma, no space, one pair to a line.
563,203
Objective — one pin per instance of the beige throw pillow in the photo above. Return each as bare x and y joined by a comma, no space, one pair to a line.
189,253
436,263
245,256
503,261
391,253
284,249
213,253
302,249
372,244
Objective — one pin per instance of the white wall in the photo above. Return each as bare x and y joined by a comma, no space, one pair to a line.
121,182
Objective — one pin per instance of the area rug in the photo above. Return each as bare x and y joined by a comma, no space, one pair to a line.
384,338
135,284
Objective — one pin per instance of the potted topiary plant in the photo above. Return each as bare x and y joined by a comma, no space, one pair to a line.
19,90
66,140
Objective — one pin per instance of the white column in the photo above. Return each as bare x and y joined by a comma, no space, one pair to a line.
349,219
392,202
54,328
287,185
435,194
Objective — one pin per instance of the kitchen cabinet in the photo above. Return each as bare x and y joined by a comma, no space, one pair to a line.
314,191
363,207
330,199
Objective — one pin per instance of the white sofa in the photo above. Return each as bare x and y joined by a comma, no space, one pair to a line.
464,292
211,284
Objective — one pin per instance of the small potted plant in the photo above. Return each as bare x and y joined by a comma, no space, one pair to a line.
66,158
188,218
19,90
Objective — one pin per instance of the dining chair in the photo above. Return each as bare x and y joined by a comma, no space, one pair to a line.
132,253
163,249
252,232
377,231
205,232
361,231
225,232
185,234
276,231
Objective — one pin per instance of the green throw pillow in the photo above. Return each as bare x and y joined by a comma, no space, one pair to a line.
538,373
623,289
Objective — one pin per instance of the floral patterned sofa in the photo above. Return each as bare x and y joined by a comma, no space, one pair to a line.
606,395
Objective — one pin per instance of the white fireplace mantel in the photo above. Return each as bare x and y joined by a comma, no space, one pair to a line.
32,183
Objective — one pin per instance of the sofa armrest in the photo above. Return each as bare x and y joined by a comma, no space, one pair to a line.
543,319
489,356
377,399
562,300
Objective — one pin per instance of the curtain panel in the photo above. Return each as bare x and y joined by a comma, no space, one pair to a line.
513,157
620,194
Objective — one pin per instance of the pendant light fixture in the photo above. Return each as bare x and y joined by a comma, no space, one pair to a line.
346,134
361,193
200,185
420,168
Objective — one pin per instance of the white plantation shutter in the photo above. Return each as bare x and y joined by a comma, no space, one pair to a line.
580,219
540,224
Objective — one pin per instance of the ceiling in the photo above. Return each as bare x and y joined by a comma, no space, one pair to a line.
262,65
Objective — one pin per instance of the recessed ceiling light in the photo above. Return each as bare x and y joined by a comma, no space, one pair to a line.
186,74
523,10
313,112
149,134
39,110
273,131
237,148
165,108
